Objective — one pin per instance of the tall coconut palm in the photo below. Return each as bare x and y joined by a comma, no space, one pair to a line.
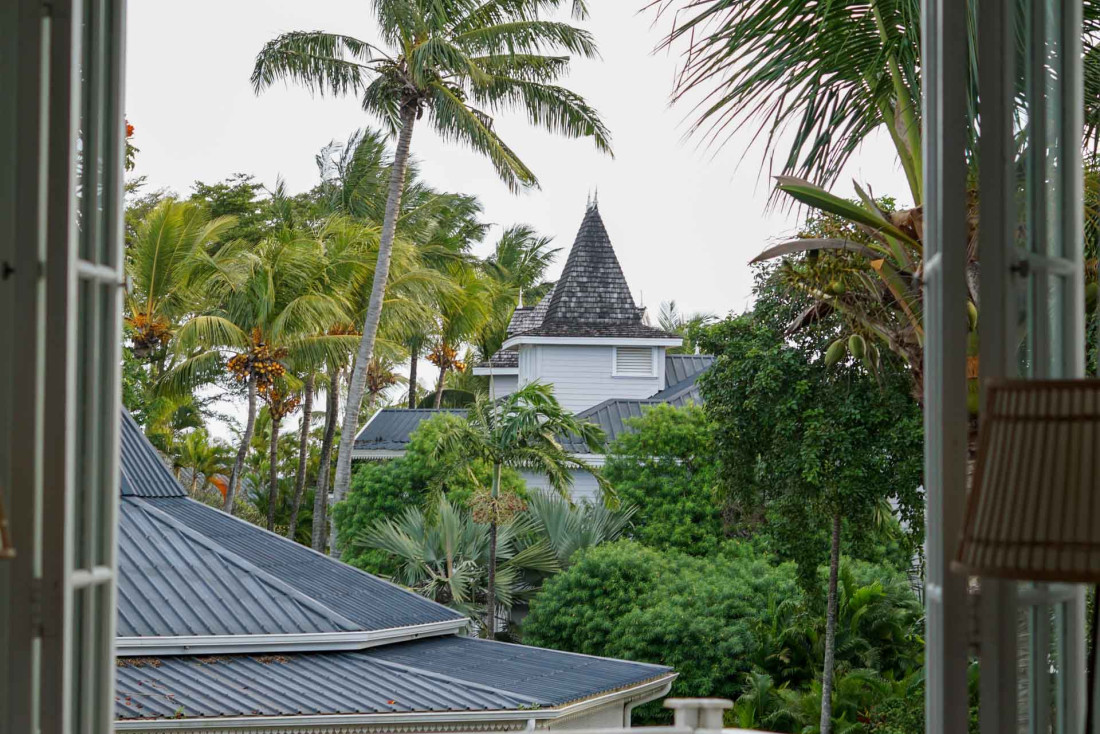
463,311
458,62
161,259
269,309
517,271
523,431
303,451
280,403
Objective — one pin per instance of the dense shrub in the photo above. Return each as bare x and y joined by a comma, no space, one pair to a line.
383,490
666,468
697,615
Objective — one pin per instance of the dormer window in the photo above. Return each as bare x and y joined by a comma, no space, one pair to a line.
634,362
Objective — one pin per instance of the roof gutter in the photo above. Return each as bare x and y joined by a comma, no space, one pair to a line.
307,642
326,722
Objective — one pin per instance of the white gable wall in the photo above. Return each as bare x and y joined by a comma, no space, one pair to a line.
585,487
582,375
503,385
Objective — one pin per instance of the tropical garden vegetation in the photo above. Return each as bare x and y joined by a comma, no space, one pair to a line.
766,544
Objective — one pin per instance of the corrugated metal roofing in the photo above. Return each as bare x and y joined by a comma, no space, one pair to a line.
612,415
551,677
390,428
680,367
368,601
143,472
441,674
173,581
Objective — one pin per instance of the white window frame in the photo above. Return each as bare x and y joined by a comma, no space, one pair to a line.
1006,272
652,363
58,670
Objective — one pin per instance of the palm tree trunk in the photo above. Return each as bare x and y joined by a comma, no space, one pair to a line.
303,456
491,597
830,631
374,308
414,357
439,387
242,452
194,481
320,497
299,484
273,489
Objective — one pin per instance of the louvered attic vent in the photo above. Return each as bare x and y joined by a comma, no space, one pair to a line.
634,361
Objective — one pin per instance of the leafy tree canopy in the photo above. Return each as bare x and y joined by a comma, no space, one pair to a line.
697,615
666,468
798,442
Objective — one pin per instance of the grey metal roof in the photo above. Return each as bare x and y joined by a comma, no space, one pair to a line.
389,428
550,677
680,367
174,581
440,674
368,601
143,472
612,415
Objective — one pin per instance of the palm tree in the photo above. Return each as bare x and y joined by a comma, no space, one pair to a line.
445,556
517,270
568,528
201,457
458,62
303,452
161,260
269,309
671,319
462,312
280,404
522,431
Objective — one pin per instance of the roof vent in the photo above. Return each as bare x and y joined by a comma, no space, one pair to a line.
634,362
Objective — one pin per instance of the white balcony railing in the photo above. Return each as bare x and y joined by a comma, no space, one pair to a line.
691,716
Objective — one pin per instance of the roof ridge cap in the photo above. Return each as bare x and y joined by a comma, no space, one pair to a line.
240,562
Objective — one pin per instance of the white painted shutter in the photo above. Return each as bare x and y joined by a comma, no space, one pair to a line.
634,361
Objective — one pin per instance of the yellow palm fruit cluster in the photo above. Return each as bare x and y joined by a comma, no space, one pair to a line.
443,355
279,404
150,333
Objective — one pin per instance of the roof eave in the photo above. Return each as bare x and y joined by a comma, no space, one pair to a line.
608,341
495,371
332,722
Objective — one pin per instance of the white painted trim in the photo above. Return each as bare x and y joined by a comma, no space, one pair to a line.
303,723
376,454
496,371
600,341
310,642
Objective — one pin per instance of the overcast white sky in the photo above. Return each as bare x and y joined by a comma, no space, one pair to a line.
684,221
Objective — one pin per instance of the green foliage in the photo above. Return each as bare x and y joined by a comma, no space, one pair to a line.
666,468
444,555
383,490
798,442
698,615
237,196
